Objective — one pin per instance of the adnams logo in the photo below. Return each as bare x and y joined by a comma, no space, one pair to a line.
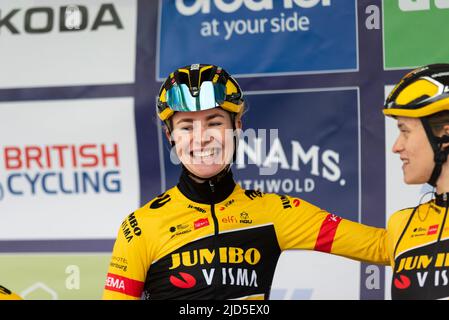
324,163
63,169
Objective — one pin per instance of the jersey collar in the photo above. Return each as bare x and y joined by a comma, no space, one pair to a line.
205,192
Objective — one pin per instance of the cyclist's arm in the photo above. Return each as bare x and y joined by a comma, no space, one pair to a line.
128,266
305,226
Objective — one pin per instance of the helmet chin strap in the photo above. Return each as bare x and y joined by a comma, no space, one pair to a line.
440,154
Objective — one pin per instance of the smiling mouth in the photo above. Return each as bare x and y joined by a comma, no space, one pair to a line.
205,153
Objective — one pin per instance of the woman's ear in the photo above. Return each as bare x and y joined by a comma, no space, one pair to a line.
168,136
446,129
238,122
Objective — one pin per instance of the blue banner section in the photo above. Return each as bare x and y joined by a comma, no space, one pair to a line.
263,37
304,144
312,153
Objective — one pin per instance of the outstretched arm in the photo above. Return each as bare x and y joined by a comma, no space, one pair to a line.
302,225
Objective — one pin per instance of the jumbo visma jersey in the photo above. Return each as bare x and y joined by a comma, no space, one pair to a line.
419,246
198,241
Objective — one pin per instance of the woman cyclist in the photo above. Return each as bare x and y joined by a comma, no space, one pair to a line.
207,238
419,236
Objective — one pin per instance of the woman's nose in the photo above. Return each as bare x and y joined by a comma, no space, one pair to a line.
397,146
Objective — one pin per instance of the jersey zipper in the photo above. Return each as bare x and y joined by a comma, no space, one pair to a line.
212,208
216,244
443,223
435,251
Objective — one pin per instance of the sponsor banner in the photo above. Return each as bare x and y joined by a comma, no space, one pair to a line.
68,169
408,47
299,36
305,144
313,278
78,42
55,277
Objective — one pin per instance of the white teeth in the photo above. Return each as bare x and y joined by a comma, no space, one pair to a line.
204,153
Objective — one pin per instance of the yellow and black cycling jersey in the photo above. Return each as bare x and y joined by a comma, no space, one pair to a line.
419,246
201,241
6,294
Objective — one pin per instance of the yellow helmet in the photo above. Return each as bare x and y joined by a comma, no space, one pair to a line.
420,93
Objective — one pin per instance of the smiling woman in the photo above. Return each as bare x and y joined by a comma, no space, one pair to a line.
207,238
419,237
203,140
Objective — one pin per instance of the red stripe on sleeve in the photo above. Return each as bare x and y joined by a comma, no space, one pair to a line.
327,233
124,285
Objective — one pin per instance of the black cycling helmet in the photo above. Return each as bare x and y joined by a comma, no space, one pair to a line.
421,94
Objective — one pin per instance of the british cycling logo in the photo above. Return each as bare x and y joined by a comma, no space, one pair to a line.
63,170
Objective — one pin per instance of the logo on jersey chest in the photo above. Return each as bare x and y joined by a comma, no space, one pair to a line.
423,262
423,272
130,227
160,201
227,204
232,255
